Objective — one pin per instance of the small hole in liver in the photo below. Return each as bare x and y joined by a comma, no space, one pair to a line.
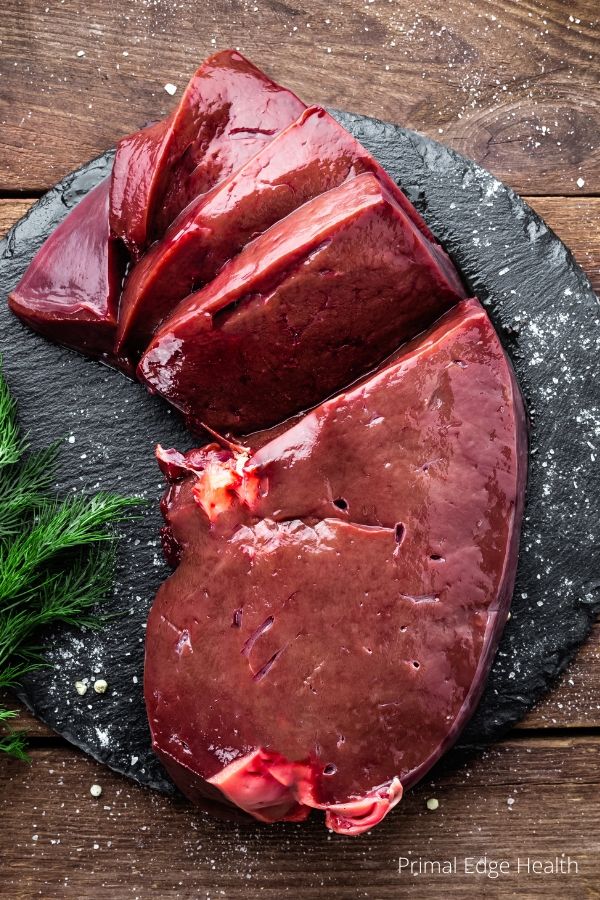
330,769
399,532
416,664
340,503
436,557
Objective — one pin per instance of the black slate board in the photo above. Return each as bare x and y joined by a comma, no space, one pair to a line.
548,317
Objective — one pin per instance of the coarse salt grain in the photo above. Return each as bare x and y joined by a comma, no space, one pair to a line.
433,803
95,790
100,686
171,89
580,182
81,688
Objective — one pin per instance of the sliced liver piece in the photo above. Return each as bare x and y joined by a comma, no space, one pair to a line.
341,592
227,112
70,292
311,156
310,305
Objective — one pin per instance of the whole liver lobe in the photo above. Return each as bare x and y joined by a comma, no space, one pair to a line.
341,591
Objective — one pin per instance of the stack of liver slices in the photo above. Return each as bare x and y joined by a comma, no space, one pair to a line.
345,544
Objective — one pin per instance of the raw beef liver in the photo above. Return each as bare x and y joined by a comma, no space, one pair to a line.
314,302
228,111
311,156
70,292
341,591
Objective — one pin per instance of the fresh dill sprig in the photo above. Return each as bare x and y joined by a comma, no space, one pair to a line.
12,445
25,488
57,557
13,742
57,527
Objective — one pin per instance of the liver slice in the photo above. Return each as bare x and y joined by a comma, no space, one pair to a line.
311,156
228,111
70,292
314,302
341,591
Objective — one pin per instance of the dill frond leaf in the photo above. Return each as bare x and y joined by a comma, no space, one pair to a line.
57,557
12,445
25,487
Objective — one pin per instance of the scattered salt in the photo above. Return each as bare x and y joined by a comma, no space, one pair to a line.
100,686
433,803
171,89
580,182
95,790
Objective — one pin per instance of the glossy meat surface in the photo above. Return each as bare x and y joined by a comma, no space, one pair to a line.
314,302
311,156
341,591
228,111
70,292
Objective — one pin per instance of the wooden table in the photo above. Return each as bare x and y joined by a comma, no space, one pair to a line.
515,85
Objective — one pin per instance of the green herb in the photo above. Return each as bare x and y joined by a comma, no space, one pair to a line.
57,557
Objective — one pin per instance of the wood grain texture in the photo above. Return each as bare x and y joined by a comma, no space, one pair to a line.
512,84
25,721
576,221
575,700
11,211
56,841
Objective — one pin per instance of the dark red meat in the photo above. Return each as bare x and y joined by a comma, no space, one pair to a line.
70,292
314,302
227,112
341,591
311,156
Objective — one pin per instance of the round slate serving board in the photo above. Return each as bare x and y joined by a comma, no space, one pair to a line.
549,320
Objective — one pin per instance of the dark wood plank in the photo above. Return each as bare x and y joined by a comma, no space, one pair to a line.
11,211
537,799
577,222
513,85
25,720
575,700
